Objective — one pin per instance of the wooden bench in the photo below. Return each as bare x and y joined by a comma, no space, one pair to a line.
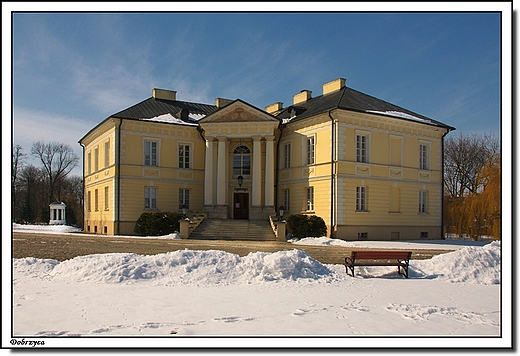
401,259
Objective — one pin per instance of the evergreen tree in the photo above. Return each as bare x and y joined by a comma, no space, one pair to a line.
28,211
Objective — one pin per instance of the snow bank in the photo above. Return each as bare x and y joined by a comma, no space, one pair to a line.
477,265
46,229
179,267
401,244
480,265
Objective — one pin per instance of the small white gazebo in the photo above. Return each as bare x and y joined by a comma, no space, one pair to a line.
57,213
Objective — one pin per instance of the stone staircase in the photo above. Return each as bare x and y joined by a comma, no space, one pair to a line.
217,229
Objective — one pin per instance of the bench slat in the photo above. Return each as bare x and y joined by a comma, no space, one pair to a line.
380,254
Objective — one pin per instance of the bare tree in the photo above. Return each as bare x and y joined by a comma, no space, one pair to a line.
472,182
18,161
58,161
465,156
73,196
32,181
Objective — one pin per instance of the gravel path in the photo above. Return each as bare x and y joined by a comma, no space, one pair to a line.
64,247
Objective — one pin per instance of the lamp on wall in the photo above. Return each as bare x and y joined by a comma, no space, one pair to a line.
281,210
240,180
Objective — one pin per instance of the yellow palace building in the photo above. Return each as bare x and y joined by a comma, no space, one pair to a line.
370,169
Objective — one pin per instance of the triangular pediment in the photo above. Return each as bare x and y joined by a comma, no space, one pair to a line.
239,112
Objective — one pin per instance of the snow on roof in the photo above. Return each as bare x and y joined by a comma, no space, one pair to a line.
169,118
400,115
196,117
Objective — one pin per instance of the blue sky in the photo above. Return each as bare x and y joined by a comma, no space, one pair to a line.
70,71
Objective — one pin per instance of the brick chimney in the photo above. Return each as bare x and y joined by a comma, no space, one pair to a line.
221,102
164,94
333,86
302,97
274,107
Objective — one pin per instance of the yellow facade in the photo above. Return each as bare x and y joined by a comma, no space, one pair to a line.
391,176
368,175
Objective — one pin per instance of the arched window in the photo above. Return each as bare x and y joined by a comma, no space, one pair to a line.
241,162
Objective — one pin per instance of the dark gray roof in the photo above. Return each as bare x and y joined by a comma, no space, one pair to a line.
152,107
350,99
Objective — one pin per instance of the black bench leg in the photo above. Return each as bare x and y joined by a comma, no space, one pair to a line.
351,269
404,272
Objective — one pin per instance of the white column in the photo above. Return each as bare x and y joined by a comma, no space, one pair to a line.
269,171
257,172
222,170
208,173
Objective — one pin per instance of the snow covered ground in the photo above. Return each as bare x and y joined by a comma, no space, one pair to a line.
285,299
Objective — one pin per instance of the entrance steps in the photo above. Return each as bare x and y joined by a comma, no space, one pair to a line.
228,229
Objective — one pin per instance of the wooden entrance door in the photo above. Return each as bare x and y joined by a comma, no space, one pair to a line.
241,206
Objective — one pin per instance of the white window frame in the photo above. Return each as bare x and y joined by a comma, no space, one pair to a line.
310,150
287,155
89,162
362,148
182,158
309,199
153,160
150,198
96,159
107,153
423,202
287,199
361,198
424,155
106,198
242,166
184,198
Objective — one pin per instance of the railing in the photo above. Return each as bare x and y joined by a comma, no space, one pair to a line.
196,220
273,219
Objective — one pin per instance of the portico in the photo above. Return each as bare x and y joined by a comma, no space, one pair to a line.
240,142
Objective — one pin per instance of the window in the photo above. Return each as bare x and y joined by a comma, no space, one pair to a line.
362,235
107,153
287,155
106,198
184,156
287,199
361,199
184,198
424,234
150,198
241,161
423,201
423,157
96,200
89,201
310,150
309,206
361,148
150,153
96,159
89,162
